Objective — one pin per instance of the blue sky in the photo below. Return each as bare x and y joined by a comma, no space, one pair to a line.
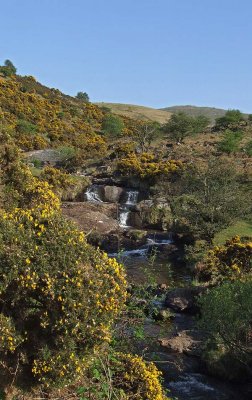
149,52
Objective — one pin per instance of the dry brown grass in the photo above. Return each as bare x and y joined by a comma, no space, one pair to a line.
138,112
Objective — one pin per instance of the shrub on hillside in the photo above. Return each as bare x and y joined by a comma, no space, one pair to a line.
122,376
226,315
230,142
58,296
147,166
231,261
64,185
233,119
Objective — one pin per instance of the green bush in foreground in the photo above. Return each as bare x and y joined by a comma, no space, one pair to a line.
226,315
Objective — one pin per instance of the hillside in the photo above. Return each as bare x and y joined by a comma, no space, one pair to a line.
137,112
211,112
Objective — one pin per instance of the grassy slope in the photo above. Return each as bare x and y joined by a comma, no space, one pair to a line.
241,228
137,112
210,112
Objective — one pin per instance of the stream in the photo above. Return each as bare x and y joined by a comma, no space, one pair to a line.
184,375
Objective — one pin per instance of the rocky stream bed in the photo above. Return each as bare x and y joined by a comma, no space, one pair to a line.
111,215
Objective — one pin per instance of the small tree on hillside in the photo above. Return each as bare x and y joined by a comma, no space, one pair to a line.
8,68
230,141
208,199
181,125
112,125
232,120
145,133
83,96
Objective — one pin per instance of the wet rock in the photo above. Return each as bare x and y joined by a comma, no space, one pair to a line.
134,219
184,299
182,343
112,194
164,315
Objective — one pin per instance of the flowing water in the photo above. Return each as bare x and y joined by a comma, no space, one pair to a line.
142,265
93,194
130,199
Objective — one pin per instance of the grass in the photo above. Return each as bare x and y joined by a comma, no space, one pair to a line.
138,112
241,228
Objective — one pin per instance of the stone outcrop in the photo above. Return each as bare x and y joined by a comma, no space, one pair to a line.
95,217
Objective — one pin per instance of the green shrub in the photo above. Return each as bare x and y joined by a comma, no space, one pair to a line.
230,142
226,314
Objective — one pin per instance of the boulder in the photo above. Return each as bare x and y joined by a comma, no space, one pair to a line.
183,342
112,194
164,315
184,299
95,217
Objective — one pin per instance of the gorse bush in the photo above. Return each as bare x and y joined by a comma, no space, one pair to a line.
42,117
146,165
58,296
228,262
140,379
122,376
68,187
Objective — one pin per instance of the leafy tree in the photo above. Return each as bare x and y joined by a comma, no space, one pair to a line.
232,120
145,133
200,123
230,141
8,69
226,315
112,125
83,96
181,125
11,66
205,200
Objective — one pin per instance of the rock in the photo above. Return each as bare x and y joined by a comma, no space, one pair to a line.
164,315
184,299
95,217
182,343
46,156
112,194
134,219
136,234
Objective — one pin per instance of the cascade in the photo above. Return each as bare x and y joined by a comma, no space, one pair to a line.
131,198
93,194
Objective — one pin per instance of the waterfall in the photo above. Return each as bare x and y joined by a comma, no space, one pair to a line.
93,194
130,199
123,217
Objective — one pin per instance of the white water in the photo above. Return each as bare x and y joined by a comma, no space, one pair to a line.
92,194
131,198
123,217
142,251
191,384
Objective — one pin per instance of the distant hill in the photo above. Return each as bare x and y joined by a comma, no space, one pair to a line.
210,112
137,112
